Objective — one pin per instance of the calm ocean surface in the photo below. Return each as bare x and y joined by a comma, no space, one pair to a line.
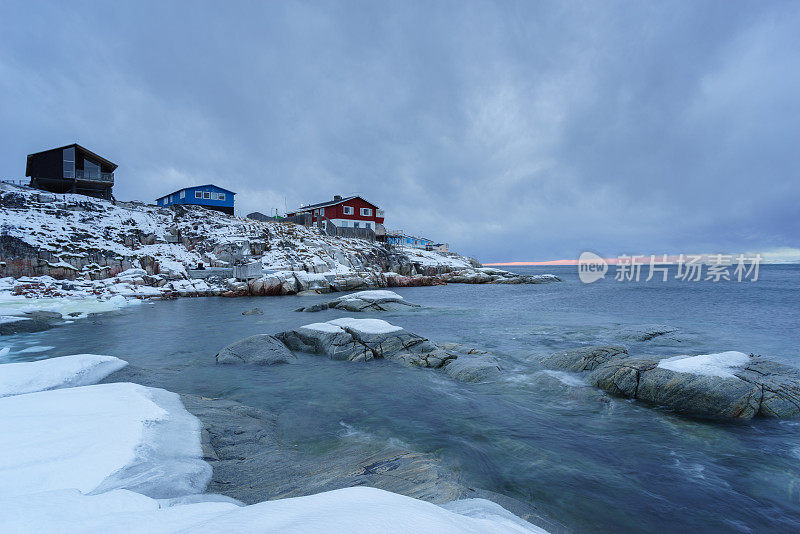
593,462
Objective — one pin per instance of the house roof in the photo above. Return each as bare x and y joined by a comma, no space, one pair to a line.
332,203
195,187
75,145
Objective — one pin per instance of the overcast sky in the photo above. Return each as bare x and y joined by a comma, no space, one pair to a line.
512,130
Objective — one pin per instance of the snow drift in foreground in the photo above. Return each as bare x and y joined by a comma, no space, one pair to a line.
98,438
122,457
350,510
55,373
720,364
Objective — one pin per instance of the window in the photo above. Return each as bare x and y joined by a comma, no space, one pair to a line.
221,196
183,194
207,195
322,211
198,194
90,170
368,225
347,210
366,212
356,225
213,196
69,162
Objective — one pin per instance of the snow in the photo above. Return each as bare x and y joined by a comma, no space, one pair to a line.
99,438
351,510
366,326
66,371
323,327
372,295
720,364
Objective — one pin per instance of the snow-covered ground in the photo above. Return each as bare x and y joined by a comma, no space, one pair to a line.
121,457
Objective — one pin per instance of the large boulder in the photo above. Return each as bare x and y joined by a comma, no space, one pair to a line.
352,339
584,358
369,339
724,385
373,300
259,349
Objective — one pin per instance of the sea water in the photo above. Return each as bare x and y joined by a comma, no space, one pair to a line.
591,461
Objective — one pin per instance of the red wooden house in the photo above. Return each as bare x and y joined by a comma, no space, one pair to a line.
345,212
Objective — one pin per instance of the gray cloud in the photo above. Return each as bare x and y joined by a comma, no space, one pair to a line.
515,131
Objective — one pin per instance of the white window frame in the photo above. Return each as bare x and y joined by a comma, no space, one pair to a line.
322,212
366,212
221,196
198,194
206,195
183,194
347,210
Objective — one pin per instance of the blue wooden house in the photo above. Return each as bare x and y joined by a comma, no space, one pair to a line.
209,196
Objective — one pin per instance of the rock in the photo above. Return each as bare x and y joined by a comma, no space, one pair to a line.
650,332
254,311
584,358
368,339
489,275
374,300
10,324
259,349
353,339
44,315
724,385
473,368
252,464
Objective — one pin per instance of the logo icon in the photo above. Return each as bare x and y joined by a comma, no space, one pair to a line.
591,267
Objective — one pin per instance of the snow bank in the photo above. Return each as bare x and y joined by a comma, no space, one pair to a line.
366,326
721,364
77,306
351,510
372,295
99,438
63,372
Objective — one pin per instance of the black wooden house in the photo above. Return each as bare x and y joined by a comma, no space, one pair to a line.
71,169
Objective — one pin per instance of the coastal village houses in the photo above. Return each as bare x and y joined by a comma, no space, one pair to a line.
345,212
209,196
71,169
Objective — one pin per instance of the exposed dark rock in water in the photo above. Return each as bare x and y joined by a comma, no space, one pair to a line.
254,311
759,388
584,358
488,275
259,349
375,300
725,385
368,339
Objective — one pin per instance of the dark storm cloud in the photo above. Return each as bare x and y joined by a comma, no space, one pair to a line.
515,131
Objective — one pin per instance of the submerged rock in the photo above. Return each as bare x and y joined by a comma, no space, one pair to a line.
259,349
584,358
726,385
251,464
10,324
254,311
374,300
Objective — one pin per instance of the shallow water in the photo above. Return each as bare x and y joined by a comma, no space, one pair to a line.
593,462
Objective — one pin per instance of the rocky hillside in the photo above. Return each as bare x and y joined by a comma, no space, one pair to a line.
97,245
